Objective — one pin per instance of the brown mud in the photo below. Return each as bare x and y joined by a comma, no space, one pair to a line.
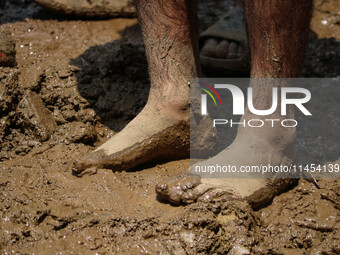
75,85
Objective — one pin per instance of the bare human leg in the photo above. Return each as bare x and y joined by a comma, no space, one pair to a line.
161,130
277,41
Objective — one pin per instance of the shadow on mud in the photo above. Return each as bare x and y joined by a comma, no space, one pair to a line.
113,78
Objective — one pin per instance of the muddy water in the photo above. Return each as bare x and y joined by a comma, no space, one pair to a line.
90,79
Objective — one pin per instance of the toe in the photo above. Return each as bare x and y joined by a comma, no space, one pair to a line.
232,50
189,196
78,167
87,161
161,187
188,182
179,192
222,49
209,48
240,51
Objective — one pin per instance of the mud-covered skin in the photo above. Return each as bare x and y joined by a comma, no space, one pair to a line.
172,143
161,130
271,58
180,191
190,189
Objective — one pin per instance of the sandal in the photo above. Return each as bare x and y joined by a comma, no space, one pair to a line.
230,27
91,9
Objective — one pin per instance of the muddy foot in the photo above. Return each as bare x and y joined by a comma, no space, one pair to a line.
192,189
150,137
257,192
244,151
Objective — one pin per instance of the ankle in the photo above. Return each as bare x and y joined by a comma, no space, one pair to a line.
279,139
178,109
276,131
175,111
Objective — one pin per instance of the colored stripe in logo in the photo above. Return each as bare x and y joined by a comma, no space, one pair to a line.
206,91
213,90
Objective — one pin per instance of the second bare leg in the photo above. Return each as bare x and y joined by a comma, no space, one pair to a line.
277,31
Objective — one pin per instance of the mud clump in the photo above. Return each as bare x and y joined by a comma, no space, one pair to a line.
76,132
315,231
326,19
103,88
7,51
9,96
199,229
8,90
35,117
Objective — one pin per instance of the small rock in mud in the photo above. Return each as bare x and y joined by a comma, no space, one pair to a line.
64,73
35,117
79,132
58,117
86,115
7,51
31,78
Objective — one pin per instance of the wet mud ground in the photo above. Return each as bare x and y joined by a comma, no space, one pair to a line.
77,83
